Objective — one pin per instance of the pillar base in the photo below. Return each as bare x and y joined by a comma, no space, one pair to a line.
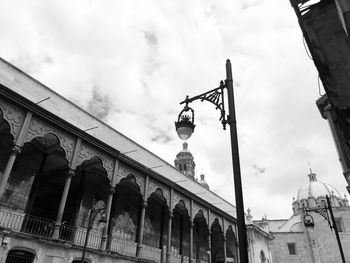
56,231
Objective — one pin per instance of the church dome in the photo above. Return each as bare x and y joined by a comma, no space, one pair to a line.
316,189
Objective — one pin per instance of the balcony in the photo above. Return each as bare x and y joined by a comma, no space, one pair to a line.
122,242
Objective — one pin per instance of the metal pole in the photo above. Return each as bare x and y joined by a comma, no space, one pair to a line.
87,237
242,233
335,229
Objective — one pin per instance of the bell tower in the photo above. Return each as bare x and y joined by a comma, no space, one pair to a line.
184,161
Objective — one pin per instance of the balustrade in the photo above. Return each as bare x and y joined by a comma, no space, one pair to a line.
124,247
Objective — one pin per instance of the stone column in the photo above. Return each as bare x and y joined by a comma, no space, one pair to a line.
209,246
108,215
170,222
224,244
58,222
191,241
12,158
141,227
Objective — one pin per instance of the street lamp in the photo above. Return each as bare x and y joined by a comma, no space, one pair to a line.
309,221
185,127
97,208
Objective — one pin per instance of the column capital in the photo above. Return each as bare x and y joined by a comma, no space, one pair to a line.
16,149
224,237
70,172
144,203
171,215
192,224
112,190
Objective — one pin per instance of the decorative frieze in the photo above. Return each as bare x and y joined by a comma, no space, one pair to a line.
13,115
87,151
176,199
153,185
212,217
198,207
125,170
39,128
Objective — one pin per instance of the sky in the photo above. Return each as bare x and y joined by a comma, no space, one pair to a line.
130,63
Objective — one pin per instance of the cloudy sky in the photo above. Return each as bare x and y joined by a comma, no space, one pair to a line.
131,62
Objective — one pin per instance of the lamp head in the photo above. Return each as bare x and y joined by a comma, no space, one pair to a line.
185,124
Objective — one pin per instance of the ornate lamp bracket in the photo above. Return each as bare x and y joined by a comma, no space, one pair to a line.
322,212
215,96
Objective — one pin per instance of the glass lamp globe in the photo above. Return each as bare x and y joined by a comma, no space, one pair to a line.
184,131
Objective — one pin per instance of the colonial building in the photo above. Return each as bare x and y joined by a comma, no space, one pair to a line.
293,242
259,240
64,173
326,29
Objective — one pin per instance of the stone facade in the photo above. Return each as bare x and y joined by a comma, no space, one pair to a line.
294,242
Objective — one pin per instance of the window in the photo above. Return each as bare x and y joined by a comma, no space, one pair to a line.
19,256
262,257
291,249
338,223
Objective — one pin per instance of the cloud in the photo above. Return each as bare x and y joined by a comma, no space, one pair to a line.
99,105
132,62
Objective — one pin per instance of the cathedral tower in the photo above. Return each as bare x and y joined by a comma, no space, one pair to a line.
184,161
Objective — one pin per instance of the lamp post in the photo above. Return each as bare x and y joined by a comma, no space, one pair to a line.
309,221
185,127
97,209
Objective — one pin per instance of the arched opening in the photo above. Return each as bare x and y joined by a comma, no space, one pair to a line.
6,143
200,237
180,238
90,186
19,256
125,211
155,220
262,257
217,243
231,245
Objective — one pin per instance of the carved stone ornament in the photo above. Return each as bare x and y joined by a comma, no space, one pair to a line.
14,117
176,199
198,207
125,170
228,224
153,185
212,217
87,151
38,128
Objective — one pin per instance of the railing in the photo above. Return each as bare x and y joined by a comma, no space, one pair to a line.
37,226
11,219
67,232
175,258
124,247
151,253
94,238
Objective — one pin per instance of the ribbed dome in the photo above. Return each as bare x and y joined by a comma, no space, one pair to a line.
316,189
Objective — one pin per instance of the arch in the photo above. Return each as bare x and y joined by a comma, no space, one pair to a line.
156,218
6,143
217,242
20,255
125,209
262,256
90,185
37,178
231,244
200,236
13,115
39,128
87,151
